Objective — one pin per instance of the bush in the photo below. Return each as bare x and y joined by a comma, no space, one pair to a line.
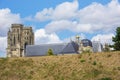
50,52
82,60
96,72
119,68
94,63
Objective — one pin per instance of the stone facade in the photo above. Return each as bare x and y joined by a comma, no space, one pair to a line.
18,37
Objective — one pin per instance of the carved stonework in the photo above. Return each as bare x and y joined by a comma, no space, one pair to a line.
17,38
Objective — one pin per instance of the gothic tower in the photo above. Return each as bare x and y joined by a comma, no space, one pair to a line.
18,37
79,42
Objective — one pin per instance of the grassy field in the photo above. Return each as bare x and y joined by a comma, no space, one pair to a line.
88,66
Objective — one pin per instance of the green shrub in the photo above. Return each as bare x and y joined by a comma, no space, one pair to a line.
94,63
96,72
50,52
82,60
118,68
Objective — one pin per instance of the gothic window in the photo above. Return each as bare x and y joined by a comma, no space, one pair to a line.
18,37
18,30
14,40
27,33
11,42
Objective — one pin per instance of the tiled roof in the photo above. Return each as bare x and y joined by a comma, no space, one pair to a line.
61,48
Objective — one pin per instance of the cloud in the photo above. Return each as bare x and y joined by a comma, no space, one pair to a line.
6,19
92,18
104,38
73,38
59,25
101,17
3,46
42,37
73,26
66,10
44,15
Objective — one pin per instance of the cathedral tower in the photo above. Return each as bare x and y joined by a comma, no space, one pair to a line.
18,37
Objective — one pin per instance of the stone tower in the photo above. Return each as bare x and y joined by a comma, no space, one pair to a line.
79,42
18,37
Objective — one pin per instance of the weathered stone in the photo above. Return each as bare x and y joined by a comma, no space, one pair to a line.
17,38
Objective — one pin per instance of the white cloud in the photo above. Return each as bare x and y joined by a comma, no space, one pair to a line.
3,45
101,17
73,38
92,18
42,37
44,15
73,26
103,38
6,19
66,10
59,25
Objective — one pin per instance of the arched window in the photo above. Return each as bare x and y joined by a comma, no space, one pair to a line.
14,40
18,37
25,45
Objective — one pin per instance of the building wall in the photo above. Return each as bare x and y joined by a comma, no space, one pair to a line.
17,38
97,46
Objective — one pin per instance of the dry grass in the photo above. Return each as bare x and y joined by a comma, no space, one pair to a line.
98,66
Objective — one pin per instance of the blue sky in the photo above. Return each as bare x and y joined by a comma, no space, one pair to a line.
60,20
27,7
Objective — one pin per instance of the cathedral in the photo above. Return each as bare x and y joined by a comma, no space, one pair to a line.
20,43
18,37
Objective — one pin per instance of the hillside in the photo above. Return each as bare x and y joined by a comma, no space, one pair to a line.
99,66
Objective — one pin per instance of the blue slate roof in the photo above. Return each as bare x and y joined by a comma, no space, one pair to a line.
59,48
86,42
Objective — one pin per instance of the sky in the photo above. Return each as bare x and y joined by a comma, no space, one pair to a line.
56,21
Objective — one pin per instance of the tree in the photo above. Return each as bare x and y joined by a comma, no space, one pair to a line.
50,52
116,39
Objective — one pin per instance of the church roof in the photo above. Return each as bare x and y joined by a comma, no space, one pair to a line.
59,48
86,43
